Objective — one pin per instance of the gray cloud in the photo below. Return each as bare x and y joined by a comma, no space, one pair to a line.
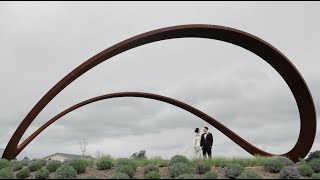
42,42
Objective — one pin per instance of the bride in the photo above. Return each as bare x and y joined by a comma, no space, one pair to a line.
194,150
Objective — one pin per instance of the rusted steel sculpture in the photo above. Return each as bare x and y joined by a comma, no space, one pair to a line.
247,41
245,145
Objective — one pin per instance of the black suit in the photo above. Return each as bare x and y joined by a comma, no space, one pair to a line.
206,144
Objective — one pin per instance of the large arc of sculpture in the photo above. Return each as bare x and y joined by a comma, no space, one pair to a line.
245,40
244,144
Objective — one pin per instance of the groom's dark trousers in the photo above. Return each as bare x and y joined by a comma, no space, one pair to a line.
206,144
206,151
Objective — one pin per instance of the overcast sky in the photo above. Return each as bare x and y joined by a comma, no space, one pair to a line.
40,42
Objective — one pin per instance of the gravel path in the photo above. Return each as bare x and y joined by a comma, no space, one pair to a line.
92,171
139,173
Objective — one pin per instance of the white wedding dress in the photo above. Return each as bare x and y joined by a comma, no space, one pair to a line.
193,151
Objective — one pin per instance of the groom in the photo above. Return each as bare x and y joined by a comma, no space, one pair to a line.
206,143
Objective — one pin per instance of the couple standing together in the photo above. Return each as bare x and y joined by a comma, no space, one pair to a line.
202,145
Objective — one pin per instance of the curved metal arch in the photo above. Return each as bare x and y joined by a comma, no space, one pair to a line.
233,136
245,40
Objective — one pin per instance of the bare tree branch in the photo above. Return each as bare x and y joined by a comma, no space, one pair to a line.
83,147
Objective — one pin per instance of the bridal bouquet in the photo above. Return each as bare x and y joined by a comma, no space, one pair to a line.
197,149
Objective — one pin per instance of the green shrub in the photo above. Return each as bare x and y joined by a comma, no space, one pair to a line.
245,162
300,163
104,163
202,168
152,175
127,169
16,167
52,166
185,176
6,173
286,161
43,162
178,169
43,173
90,162
303,161
210,175
179,159
34,166
232,171
150,168
34,160
13,162
305,170
25,161
249,175
289,172
119,175
24,173
316,176
91,177
66,161
274,165
313,155
315,165
158,161
126,161
80,165
163,163
4,163
66,172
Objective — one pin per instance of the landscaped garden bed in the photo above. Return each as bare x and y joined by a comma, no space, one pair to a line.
178,167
